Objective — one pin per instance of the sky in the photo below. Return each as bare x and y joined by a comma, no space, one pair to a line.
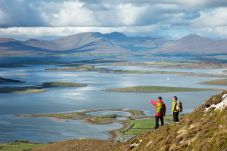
23,19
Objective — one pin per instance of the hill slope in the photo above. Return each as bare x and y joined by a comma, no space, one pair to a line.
201,130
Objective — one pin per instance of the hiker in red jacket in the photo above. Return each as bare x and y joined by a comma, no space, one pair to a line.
160,111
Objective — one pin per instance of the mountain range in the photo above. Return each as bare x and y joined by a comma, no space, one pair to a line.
193,44
95,42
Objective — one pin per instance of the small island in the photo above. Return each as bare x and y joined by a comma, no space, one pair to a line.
39,88
62,84
22,90
5,80
154,89
216,82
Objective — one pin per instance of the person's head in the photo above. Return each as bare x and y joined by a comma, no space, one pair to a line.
175,97
159,98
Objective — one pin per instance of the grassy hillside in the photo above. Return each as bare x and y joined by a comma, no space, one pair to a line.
200,130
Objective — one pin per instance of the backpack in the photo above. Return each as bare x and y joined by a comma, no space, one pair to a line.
160,107
179,106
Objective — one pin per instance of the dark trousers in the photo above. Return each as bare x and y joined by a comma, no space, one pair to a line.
175,116
157,118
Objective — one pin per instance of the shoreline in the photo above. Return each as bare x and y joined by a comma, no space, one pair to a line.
101,119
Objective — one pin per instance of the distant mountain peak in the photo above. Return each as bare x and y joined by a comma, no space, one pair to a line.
3,40
191,36
116,36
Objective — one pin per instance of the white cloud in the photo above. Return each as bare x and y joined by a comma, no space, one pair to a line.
144,17
211,18
3,18
128,14
67,13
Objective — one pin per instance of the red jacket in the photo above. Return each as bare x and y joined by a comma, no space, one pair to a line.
155,104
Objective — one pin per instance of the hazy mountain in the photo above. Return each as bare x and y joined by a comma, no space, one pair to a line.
89,41
194,44
135,43
12,47
98,42
95,42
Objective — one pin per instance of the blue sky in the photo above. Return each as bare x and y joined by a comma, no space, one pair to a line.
169,18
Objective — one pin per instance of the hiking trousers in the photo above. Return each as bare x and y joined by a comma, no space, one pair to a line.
175,116
157,118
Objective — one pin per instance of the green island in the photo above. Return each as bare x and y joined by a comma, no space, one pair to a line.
73,68
40,88
62,84
173,64
26,89
216,82
154,89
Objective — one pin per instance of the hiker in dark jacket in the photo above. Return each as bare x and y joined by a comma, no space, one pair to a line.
160,111
175,109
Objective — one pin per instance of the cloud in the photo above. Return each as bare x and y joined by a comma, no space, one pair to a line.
3,18
68,13
25,13
20,13
61,17
211,18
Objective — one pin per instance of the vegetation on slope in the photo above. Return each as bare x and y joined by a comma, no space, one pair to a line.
142,125
79,145
19,146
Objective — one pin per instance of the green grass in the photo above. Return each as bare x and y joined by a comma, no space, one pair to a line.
102,120
19,146
154,89
139,126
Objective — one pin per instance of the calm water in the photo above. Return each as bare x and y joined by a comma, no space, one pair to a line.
90,97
